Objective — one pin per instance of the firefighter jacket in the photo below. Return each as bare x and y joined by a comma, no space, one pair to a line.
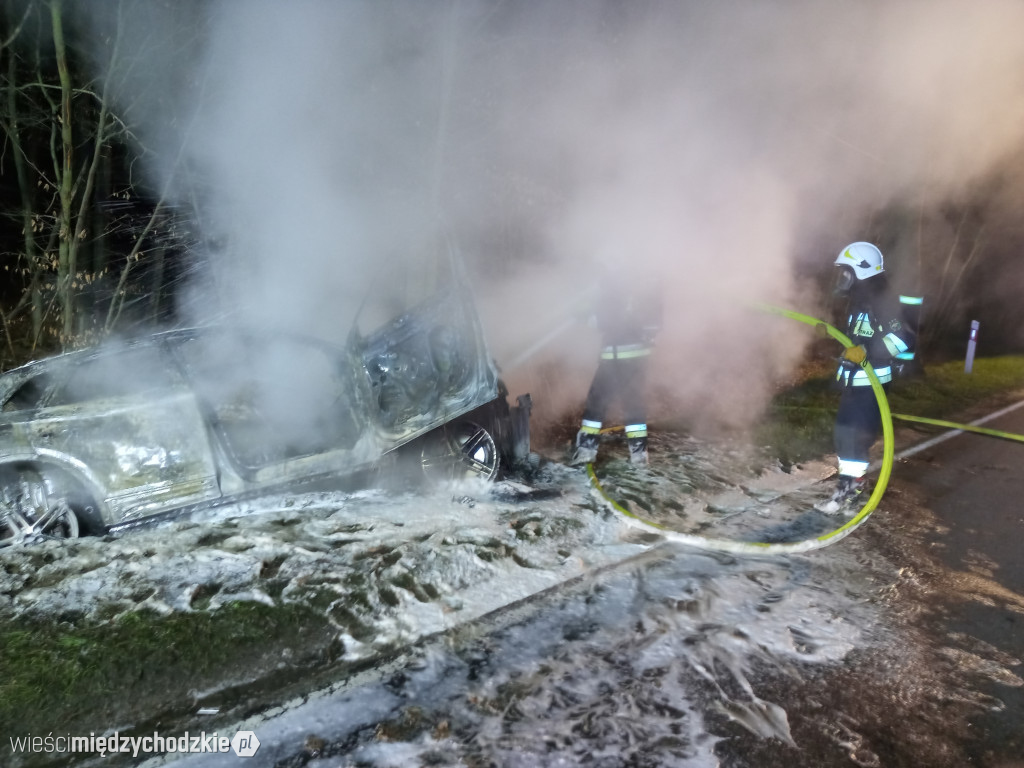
628,318
875,322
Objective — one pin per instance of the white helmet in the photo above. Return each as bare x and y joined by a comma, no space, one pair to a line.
863,258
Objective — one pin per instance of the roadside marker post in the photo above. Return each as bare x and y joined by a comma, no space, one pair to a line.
972,343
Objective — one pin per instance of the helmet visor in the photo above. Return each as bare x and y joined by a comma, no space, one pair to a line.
845,278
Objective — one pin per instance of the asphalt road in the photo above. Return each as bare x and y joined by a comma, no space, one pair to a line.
973,487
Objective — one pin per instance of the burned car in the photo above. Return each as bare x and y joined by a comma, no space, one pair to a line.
124,434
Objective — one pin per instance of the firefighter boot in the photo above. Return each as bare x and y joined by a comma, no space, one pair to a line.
586,448
846,498
638,451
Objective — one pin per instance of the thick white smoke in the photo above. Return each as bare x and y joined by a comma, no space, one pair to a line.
721,145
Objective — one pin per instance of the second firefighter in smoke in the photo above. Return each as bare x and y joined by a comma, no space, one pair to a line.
628,316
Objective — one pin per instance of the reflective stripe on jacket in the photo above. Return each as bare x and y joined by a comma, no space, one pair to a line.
625,351
875,324
860,376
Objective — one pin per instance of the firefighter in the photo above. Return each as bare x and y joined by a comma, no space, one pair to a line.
879,336
628,316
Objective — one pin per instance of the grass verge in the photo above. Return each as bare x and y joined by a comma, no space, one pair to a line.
798,424
77,679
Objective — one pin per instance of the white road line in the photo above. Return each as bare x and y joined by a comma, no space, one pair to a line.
954,432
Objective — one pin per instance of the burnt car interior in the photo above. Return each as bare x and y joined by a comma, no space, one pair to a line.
422,365
269,398
123,372
28,395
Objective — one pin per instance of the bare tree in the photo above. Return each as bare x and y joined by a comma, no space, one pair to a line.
71,148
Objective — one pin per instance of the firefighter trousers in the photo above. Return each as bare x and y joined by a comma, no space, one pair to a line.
858,424
622,382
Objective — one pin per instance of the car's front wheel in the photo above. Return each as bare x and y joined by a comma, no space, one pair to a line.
31,510
461,450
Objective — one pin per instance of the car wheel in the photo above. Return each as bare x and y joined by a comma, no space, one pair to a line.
31,511
461,450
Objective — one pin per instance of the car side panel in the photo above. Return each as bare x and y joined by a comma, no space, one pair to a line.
150,454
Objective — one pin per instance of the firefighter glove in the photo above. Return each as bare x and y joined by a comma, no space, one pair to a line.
855,354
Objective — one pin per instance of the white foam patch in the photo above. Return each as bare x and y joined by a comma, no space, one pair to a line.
520,690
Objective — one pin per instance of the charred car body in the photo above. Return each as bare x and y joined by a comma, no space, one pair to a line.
123,434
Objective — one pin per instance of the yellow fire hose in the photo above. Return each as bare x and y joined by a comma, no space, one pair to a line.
960,427
917,419
765,548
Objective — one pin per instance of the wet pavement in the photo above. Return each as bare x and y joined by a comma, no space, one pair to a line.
972,489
